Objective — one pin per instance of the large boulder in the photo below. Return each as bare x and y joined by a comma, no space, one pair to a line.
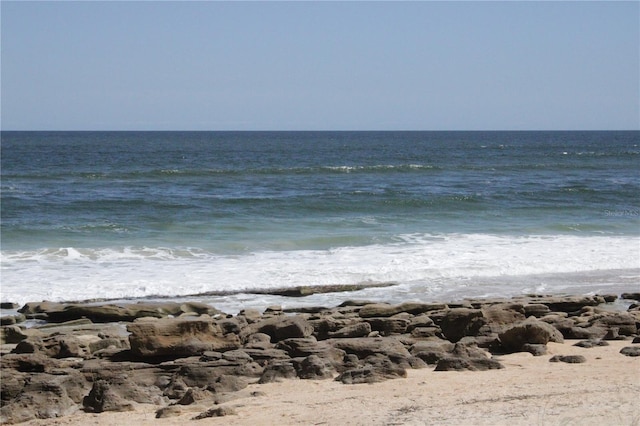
178,338
530,331
279,328
457,323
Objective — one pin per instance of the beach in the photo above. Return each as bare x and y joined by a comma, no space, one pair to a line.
528,391
543,360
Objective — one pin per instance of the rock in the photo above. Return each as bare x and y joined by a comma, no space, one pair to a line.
307,346
367,374
426,332
460,322
472,364
102,398
178,338
133,385
16,334
102,313
43,396
9,305
12,319
193,395
278,370
387,326
362,347
530,331
591,343
215,412
250,315
432,351
169,411
39,308
228,383
386,310
631,296
313,367
570,304
534,349
361,329
279,328
571,359
624,323
537,310
630,351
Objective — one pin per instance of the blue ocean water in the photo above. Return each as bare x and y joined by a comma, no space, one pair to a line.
443,214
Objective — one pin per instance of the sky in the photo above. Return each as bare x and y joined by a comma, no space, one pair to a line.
156,65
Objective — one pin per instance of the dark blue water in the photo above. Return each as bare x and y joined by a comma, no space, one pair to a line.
97,202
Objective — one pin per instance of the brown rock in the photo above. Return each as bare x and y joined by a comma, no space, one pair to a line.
529,331
178,338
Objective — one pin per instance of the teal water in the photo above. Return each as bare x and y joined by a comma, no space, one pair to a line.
129,214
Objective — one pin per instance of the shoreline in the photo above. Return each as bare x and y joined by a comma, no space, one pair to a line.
475,361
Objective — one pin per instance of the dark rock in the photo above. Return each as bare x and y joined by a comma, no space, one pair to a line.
591,343
571,359
570,304
459,322
636,339
631,296
9,305
630,351
178,338
215,412
472,364
102,398
366,374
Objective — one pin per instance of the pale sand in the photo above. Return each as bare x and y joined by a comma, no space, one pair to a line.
528,391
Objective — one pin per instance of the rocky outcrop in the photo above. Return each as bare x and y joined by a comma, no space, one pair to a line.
179,338
109,357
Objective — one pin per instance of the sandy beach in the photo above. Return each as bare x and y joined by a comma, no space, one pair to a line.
528,391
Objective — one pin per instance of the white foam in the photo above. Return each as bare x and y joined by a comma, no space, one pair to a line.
436,265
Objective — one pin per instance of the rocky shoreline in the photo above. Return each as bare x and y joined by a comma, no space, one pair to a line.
109,357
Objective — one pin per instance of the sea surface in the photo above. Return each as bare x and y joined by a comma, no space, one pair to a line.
444,215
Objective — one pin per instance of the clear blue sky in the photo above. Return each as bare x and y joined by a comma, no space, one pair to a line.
320,65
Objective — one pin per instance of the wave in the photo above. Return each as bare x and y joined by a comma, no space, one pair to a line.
434,261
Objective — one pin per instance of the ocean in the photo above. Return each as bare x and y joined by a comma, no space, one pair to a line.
443,215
